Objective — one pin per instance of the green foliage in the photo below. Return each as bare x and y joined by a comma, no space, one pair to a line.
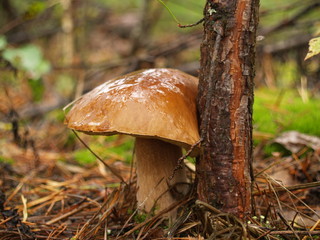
113,185
30,8
29,61
287,72
169,11
276,111
6,160
35,8
275,15
65,84
140,217
71,139
314,48
269,149
118,6
3,42
57,115
27,58
262,220
182,12
37,89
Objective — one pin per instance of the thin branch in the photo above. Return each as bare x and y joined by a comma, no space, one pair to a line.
181,159
115,172
191,25
293,19
287,188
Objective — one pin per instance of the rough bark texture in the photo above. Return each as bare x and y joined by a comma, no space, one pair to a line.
225,102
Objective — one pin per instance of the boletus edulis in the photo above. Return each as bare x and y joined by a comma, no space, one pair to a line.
158,108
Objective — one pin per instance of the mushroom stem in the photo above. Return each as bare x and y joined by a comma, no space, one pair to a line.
155,162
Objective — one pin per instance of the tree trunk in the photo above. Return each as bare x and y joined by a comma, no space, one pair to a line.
225,102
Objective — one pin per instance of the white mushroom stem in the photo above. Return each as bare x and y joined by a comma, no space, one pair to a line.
155,162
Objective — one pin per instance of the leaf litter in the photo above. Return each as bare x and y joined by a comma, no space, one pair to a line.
43,198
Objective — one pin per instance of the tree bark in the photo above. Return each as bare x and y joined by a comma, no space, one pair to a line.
225,102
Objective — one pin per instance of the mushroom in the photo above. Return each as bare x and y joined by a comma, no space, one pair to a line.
158,108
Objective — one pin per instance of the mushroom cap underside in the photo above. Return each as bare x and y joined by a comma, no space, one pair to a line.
155,103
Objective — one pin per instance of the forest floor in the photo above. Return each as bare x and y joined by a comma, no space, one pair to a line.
48,195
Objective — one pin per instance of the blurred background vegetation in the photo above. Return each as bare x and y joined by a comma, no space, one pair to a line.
53,51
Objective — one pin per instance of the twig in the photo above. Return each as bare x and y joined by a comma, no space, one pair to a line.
224,218
181,159
287,224
288,232
291,194
176,20
285,45
313,228
139,206
181,220
287,188
20,185
154,218
85,232
208,206
105,164
170,12
191,25
68,214
293,19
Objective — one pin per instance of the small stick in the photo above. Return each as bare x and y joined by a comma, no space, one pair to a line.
181,159
176,20
105,164
191,25
312,229
289,232
74,211
286,188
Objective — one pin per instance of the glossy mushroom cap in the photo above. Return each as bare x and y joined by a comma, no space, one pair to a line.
154,103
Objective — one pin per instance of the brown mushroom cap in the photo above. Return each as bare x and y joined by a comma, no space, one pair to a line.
156,103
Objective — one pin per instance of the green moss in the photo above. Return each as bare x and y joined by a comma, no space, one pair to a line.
276,111
84,157
107,149
6,160
56,115
140,217
70,140
123,151
275,147
37,89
